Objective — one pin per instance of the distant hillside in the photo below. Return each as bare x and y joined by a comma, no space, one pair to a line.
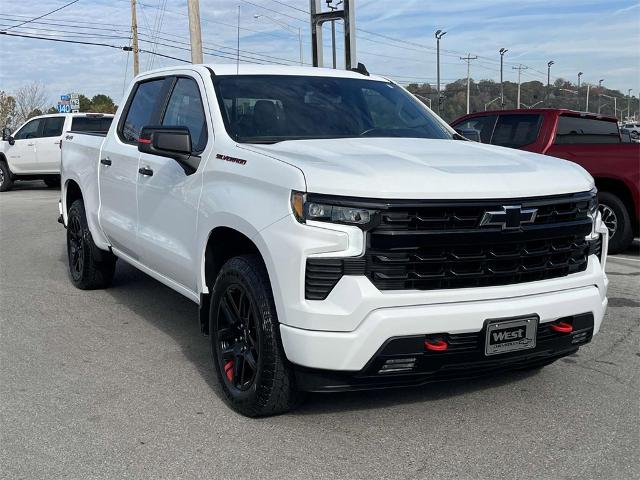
560,96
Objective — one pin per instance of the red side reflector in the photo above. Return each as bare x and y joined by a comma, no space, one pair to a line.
562,327
436,345
228,370
146,141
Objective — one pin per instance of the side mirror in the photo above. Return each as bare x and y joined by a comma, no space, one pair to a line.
470,134
6,135
171,142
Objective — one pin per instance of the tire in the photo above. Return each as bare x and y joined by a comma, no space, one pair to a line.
617,219
253,372
52,182
5,177
89,267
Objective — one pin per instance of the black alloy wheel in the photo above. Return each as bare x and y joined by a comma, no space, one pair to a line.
238,337
253,372
76,248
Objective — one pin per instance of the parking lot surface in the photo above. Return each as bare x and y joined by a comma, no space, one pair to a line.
118,384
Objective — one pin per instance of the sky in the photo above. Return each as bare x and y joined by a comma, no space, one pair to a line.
395,38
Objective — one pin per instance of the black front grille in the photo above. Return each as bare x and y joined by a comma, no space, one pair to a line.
442,245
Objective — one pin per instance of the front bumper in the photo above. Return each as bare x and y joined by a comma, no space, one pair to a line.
352,351
403,361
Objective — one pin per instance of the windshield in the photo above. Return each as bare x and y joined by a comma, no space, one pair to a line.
274,108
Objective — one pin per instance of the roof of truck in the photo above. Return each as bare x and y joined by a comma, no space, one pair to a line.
251,69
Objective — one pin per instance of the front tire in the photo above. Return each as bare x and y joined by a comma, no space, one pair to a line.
247,352
89,267
5,177
617,219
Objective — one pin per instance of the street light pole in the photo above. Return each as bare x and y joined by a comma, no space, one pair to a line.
439,34
549,63
502,52
629,103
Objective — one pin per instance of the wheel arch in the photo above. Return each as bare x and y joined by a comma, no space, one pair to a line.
620,189
72,192
223,243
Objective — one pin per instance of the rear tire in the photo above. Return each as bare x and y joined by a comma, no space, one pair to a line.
617,219
5,177
89,267
253,372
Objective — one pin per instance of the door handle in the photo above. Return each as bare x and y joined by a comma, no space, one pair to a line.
106,161
30,144
145,171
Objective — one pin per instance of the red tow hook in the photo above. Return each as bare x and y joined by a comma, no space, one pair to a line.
228,370
562,327
436,345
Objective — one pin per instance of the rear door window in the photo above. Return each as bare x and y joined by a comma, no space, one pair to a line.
516,131
53,127
579,130
482,124
141,109
91,124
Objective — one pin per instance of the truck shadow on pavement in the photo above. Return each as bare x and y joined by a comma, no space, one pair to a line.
177,317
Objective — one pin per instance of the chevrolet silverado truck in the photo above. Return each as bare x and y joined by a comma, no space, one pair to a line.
590,140
33,151
335,233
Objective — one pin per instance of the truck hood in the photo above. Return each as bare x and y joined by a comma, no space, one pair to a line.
407,168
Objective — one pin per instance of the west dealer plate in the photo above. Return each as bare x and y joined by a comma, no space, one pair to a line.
511,334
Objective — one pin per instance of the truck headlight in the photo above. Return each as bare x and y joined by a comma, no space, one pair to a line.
305,208
593,215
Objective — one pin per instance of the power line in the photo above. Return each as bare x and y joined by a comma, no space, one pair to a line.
155,40
41,16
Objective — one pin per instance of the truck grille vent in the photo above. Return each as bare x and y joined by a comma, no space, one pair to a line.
433,246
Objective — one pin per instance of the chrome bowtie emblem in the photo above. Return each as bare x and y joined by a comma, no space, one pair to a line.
511,217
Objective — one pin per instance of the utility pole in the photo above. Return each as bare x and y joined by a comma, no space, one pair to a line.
600,93
439,34
586,108
519,68
629,104
468,59
195,33
134,35
549,63
502,52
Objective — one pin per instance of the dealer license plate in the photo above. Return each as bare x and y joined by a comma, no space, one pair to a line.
510,334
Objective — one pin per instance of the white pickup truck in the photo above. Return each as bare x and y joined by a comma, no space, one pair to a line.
336,234
33,151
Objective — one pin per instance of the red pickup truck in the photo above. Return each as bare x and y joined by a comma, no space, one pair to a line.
590,140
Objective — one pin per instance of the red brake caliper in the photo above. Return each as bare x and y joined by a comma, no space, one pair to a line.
228,370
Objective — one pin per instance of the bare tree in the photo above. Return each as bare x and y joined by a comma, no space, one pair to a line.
7,110
31,100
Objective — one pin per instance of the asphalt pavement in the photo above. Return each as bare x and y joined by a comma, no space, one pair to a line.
118,384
